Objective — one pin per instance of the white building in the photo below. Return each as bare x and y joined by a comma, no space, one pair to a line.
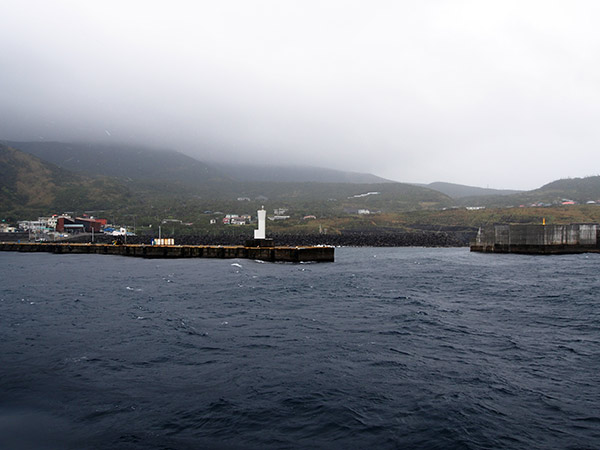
260,233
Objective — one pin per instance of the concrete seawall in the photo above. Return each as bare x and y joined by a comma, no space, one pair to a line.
275,254
538,239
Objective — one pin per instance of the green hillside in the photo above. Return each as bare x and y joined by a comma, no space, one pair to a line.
579,190
30,186
173,187
325,200
164,183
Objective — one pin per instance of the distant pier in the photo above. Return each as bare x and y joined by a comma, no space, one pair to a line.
538,239
274,254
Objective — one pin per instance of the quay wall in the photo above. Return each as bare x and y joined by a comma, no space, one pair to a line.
538,239
275,254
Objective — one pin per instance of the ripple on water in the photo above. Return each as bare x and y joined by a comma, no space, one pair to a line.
416,348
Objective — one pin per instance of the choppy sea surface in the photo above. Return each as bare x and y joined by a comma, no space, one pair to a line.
385,348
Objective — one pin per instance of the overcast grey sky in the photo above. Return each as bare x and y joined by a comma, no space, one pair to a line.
504,94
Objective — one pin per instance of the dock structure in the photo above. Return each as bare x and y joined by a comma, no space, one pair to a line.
538,239
274,254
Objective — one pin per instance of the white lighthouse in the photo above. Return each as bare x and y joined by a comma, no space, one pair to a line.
262,223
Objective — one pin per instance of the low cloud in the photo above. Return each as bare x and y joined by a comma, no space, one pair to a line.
499,94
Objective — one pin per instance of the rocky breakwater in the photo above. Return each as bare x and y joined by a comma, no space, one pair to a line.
344,239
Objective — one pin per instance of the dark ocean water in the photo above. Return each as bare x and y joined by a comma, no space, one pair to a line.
385,348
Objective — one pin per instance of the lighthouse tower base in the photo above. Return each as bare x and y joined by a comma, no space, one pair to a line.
259,243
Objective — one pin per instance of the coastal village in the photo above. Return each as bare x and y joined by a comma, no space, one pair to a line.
57,227
63,226
49,234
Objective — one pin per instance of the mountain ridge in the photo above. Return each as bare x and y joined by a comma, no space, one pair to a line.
121,161
282,173
138,162
458,191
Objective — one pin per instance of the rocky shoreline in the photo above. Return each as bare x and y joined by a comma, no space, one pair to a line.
346,239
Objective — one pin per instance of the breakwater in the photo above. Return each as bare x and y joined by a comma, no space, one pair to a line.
538,239
275,254
350,238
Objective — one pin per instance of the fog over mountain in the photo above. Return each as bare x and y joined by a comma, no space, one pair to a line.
490,94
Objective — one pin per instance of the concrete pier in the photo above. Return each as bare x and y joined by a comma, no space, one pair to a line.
538,239
274,254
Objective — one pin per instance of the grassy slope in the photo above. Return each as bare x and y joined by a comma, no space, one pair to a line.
578,189
31,187
176,200
464,218
459,220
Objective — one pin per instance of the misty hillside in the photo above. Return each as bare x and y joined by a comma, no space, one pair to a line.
167,183
385,196
139,163
170,183
580,190
27,183
320,199
122,161
295,174
460,191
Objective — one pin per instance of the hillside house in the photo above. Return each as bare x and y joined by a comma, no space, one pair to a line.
235,219
5,228
35,226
